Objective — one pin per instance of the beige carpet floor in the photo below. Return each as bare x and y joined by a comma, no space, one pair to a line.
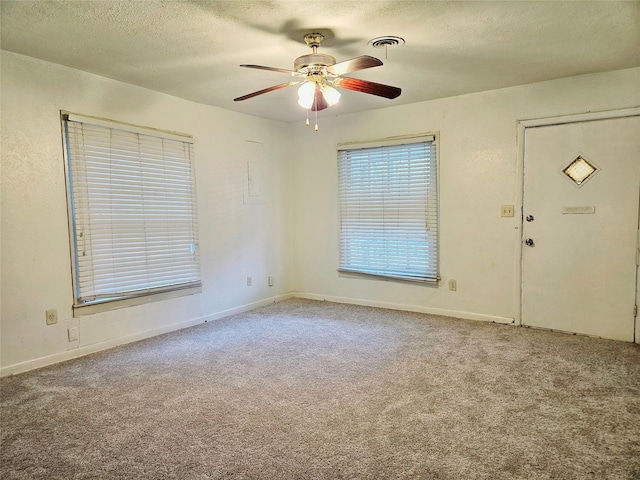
314,390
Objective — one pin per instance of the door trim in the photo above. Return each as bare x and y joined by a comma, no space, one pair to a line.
522,126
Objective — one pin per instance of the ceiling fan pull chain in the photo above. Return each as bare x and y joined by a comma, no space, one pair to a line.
315,109
307,117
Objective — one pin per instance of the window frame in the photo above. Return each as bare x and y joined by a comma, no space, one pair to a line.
430,277
150,294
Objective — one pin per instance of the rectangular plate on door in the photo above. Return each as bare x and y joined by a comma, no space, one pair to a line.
578,210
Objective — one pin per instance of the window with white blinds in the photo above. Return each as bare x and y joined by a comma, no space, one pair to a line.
132,211
388,202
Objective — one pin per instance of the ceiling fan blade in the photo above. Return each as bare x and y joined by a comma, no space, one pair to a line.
266,90
365,86
353,65
319,102
273,69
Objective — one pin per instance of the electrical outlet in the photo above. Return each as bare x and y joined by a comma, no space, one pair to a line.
52,317
249,281
453,285
506,211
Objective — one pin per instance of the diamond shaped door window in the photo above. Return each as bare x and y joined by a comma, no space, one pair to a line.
580,170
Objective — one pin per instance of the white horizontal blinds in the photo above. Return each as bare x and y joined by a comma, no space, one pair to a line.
388,211
134,212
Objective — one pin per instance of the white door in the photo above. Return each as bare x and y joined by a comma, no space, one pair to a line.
580,241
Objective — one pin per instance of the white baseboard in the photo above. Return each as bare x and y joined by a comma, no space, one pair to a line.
248,306
97,347
408,308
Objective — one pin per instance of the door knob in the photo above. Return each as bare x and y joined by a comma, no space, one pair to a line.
529,242
529,218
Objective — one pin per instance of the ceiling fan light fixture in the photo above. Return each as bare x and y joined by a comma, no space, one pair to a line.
306,94
318,74
331,95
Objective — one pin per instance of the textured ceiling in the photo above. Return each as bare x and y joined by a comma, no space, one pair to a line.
193,49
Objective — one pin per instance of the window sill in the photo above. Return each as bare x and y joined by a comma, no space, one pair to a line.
98,307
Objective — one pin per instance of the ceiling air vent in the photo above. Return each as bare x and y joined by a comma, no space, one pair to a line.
386,42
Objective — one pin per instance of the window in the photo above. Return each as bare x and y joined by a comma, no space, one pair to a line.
132,213
388,201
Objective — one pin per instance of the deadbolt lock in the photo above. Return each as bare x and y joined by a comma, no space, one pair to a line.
529,218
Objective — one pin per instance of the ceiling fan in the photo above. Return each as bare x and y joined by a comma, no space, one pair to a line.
319,74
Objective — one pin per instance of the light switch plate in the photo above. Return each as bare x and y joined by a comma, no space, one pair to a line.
506,211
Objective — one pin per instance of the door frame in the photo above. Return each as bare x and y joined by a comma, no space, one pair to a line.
522,126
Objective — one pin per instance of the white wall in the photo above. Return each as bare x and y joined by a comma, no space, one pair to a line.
478,174
293,235
236,240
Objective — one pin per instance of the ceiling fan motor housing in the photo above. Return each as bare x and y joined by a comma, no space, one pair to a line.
320,60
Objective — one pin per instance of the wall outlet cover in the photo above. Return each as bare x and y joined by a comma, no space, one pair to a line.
52,316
